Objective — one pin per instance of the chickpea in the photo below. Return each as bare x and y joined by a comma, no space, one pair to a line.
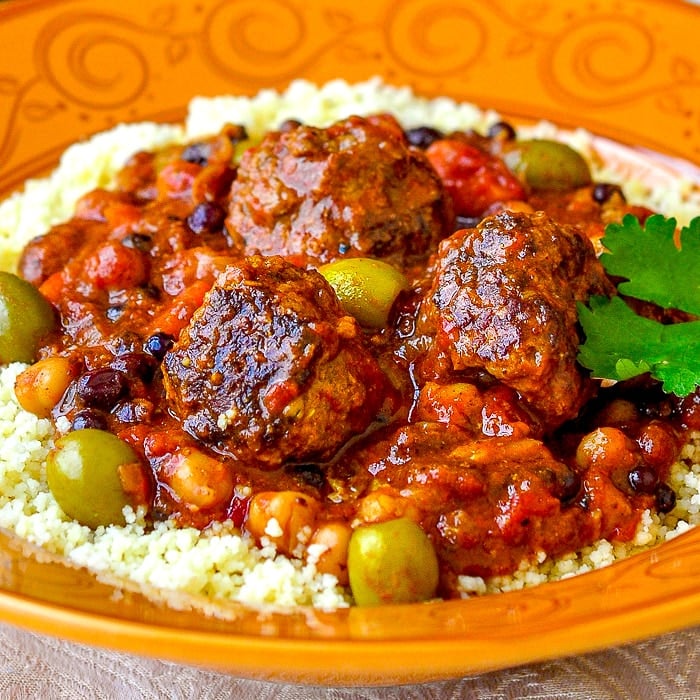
198,480
40,387
607,450
658,444
618,413
335,536
286,518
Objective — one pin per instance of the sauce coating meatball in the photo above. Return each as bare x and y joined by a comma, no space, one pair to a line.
356,188
503,300
270,370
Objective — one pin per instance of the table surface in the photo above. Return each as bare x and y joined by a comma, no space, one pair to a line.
35,666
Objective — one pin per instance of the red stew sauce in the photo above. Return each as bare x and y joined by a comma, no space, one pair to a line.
198,329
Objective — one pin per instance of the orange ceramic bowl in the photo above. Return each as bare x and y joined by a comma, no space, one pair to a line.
626,69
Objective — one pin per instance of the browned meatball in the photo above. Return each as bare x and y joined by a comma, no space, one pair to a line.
270,370
354,189
503,300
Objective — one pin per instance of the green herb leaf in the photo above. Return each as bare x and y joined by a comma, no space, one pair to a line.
655,268
620,345
660,266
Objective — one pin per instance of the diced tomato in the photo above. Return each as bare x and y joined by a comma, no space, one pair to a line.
52,287
212,183
615,514
279,396
122,214
91,206
176,316
114,266
503,414
473,178
238,510
523,501
176,179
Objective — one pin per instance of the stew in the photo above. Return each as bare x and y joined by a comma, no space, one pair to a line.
341,327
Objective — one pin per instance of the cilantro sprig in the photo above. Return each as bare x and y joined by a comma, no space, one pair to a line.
655,268
657,265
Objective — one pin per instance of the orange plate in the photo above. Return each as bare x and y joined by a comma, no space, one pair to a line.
626,69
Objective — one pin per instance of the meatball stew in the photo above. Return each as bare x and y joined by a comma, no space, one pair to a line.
341,329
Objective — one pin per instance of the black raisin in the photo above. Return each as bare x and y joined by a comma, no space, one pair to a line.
665,498
206,216
423,136
102,388
158,344
643,479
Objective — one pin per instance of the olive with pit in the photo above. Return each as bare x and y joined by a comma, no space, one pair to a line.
547,165
25,318
86,472
367,288
391,562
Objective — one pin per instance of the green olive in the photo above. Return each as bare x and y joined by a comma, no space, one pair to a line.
83,475
366,287
391,562
25,317
548,165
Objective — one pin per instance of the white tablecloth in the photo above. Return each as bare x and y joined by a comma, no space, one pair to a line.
43,668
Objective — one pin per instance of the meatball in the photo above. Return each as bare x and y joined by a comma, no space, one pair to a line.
503,300
270,370
356,188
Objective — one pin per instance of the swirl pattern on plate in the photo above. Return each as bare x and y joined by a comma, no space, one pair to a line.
446,37
250,41
623,70
90,60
